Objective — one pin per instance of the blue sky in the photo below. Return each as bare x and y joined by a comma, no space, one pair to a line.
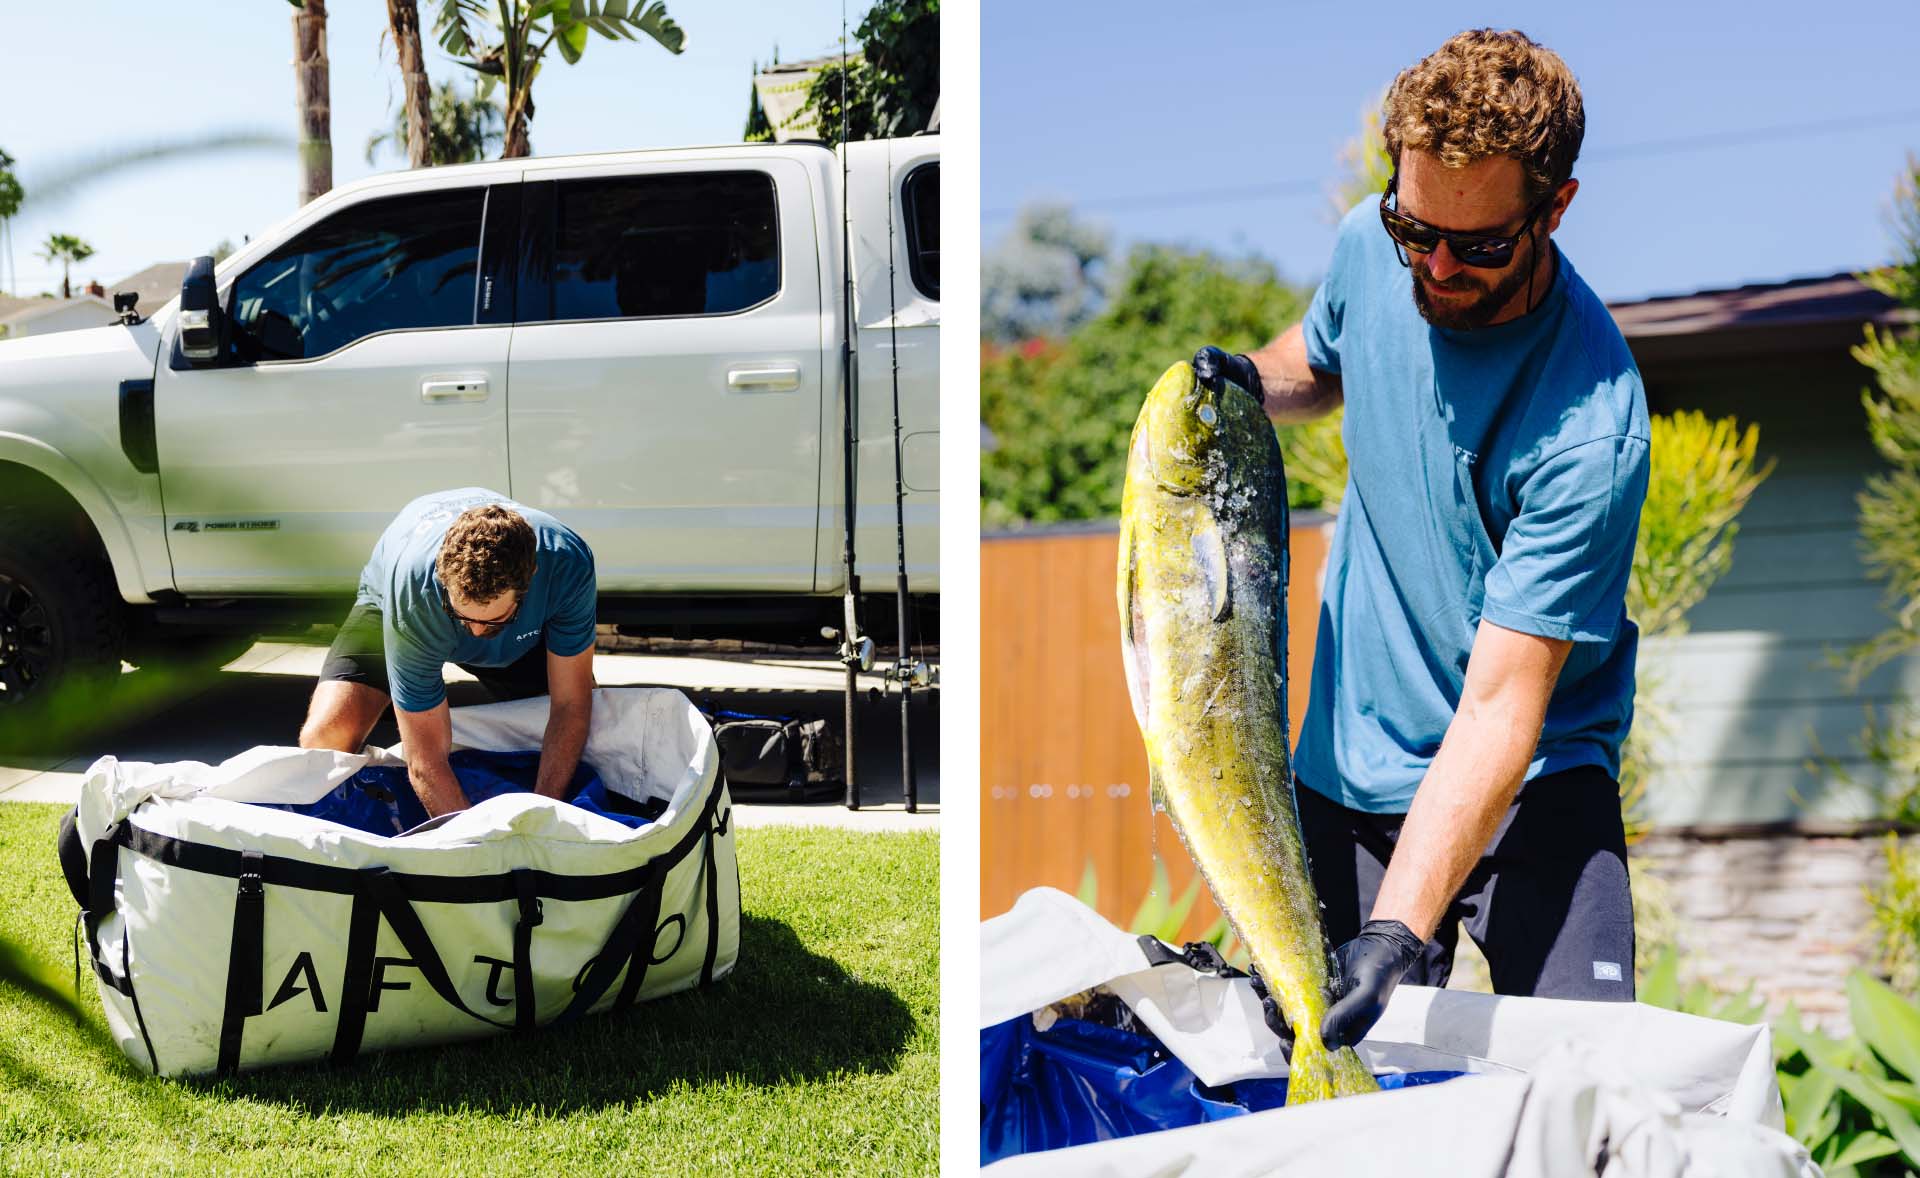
1150,123
143,73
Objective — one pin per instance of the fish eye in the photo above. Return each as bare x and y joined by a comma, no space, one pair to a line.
1208,415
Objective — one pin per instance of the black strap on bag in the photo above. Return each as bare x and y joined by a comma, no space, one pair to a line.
714,832
405,922
531,914
102,870
363,932
624,947
243,962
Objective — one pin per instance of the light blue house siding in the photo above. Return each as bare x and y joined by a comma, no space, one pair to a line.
1760,724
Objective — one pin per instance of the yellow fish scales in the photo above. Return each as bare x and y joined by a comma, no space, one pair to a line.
1203,576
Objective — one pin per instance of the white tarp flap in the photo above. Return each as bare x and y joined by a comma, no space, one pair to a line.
1568,1086
230,934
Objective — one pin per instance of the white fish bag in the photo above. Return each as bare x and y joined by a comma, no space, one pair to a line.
1559,1088
227,936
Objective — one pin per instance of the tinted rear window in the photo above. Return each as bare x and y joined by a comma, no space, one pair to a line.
644,246
921,195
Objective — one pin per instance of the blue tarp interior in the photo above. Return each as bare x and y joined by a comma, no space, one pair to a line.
380,800
1078,1082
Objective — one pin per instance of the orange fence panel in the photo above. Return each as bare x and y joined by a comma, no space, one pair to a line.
1065,774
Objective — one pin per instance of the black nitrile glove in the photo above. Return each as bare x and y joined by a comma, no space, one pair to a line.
1371,965
1270,1010
1211,366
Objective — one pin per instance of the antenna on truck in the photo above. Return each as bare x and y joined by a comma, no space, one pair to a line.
850,640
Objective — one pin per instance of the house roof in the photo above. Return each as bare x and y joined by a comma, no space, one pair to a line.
26,309
1798,315
155,285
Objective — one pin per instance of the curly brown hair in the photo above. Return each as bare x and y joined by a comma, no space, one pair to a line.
1486,93
488,551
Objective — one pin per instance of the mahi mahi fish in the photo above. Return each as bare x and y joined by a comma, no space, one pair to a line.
1203,577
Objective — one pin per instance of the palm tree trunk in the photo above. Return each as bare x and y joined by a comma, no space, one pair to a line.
404,17
66,278
310,95
519,113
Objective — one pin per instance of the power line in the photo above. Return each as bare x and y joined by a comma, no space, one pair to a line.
1651,147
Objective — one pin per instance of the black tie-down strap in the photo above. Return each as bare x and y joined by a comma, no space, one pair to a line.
243,962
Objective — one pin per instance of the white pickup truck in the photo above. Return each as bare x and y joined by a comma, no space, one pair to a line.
645,344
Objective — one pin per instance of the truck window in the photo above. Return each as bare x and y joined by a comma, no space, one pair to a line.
629,247
920,198
382,265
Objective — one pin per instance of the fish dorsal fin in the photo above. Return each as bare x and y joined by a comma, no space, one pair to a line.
1133,628
1210,552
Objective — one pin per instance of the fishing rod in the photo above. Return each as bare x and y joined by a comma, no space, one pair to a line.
903,667
850,625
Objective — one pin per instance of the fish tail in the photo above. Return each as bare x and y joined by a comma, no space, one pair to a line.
1314,1073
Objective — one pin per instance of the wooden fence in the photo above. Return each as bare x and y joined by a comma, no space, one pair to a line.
1064,773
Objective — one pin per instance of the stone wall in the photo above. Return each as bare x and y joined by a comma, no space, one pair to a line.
1789,912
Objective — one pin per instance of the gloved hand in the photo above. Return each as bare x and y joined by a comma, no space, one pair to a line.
1270,1010
1213,365
1371,965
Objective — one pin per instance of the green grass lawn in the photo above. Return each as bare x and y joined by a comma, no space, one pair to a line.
818,1054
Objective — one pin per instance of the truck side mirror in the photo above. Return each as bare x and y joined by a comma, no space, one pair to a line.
202,323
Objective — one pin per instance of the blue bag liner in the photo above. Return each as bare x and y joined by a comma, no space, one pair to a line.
1079,1082
380,800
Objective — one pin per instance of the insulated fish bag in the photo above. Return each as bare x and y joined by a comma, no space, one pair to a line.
1100,1057
227,934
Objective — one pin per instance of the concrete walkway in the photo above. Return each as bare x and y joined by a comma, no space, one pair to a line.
261,697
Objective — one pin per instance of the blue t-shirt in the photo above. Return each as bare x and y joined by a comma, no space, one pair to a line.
400,581
1495,473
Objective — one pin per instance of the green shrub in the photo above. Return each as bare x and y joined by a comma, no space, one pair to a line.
1890,505
1701,474
1854,1102
1896,917
1059,412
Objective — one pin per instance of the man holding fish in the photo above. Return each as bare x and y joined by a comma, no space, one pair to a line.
1473,670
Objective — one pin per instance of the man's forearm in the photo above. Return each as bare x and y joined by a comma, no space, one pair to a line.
566,735
435,785
1468,787
1293,391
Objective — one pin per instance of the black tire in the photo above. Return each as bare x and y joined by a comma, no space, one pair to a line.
62,627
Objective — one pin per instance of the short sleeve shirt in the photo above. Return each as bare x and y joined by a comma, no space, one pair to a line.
1493,474
401,582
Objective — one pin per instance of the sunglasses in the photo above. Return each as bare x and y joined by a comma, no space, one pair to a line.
1485,251
493,626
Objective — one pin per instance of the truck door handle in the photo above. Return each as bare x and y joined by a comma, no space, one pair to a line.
777,378
453,388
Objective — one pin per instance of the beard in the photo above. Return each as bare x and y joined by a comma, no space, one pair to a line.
1468,314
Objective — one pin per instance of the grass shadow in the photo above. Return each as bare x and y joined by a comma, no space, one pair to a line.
785,1015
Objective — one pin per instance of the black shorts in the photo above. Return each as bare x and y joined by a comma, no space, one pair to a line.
359,655
1548,903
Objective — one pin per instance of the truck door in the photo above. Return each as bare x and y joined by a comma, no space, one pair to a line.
667,367
362,371
895,199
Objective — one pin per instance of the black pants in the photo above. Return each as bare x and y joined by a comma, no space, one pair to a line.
359,655
1548,903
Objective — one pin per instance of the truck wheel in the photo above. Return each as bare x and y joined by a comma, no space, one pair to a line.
61,629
